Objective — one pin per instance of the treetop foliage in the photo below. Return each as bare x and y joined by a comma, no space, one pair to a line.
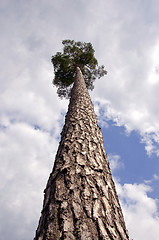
75,54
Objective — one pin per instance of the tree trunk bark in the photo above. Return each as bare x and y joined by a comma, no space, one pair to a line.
80,199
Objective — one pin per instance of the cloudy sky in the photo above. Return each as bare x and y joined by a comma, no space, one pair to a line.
125,37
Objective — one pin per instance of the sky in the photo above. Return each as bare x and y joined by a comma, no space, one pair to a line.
125,37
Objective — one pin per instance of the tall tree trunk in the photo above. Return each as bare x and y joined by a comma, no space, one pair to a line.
80,198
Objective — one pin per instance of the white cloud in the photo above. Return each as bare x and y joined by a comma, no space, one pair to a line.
115,162
154,178
100,115
28,101
128,94
140,211
27,157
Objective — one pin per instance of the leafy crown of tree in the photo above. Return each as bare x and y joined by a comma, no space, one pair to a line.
75,54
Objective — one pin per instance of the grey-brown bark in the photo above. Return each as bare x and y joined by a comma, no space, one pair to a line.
80,198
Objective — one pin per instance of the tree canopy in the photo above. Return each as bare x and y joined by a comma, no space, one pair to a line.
75,54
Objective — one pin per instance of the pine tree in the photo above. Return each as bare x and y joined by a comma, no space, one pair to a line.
80,199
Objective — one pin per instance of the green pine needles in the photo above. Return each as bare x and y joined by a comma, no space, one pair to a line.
75,54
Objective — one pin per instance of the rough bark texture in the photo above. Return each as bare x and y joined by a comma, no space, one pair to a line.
80,198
